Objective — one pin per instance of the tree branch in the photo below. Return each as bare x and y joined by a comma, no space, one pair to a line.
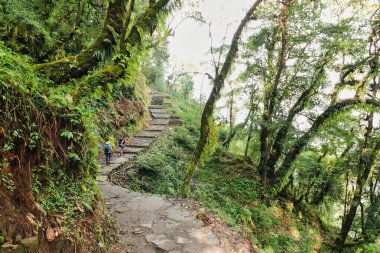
286,170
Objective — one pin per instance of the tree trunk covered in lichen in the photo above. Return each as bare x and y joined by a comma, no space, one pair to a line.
79,65
208,110
368,155
266,135
367,160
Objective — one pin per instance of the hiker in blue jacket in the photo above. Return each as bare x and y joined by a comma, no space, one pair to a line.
108,152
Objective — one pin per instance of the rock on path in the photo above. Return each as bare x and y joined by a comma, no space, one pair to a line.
149,223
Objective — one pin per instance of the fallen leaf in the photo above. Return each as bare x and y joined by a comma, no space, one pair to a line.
31,218
50,235
84,188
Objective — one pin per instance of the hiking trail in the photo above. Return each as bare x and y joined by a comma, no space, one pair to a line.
150,223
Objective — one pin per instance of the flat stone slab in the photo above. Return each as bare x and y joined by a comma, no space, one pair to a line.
147,203
160,116
162,242
148,134
129,156
117,159
132,150
159,95
205,236
157,128
156,107
169,224
101,178
158,111
200,248
140,142
182,240
179,214
108,168
160,122
157,100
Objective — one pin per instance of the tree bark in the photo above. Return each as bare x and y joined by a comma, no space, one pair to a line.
208,110
123,34
232,121
270,99
249,137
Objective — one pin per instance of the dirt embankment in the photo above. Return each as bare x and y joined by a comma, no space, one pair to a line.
25,225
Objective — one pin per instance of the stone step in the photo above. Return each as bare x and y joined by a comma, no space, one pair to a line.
101,178
158,111
157,100
159,94
148,134
160,116
132,150
156,107
129,155
160,122
106,169
140,142
156,128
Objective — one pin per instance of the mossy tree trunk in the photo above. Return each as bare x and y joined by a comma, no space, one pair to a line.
218,83
266,135
279,138
368,155
366,163
117,21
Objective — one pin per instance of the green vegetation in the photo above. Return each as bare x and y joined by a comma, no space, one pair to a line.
226,184
285,148
70,78
57,142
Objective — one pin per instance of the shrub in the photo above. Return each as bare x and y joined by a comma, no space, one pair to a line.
262,217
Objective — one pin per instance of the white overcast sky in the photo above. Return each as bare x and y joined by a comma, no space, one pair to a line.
191,42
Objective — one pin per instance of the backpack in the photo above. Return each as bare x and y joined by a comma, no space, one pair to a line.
107,148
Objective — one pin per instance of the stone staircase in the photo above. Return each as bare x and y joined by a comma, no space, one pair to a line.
149,223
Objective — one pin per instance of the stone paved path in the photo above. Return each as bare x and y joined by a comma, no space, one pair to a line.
149,223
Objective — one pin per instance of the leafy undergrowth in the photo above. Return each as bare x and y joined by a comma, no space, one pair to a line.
226,184
49,154
229,186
